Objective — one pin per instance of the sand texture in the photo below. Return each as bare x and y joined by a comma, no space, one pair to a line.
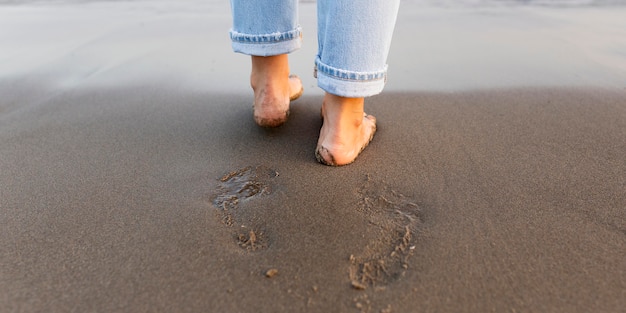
132,181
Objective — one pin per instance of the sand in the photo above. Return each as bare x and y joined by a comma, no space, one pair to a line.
132,181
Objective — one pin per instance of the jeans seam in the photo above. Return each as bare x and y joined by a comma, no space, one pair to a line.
348,75
265,38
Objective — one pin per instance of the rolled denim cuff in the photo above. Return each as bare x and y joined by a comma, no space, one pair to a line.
349,83
267,44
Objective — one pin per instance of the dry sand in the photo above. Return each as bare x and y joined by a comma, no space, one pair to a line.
127,186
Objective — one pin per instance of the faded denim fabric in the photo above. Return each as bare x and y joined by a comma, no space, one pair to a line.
354,37
265,27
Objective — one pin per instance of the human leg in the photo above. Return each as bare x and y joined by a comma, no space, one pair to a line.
265,27
354,39
268,30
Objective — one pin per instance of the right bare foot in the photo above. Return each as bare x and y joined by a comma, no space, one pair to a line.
346,130
273,89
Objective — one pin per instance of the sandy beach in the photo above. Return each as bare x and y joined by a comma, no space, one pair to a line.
134,179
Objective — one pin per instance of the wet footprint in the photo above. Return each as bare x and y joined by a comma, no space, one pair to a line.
233,191
385,258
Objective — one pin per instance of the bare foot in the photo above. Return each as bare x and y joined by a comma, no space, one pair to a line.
346,130
273,89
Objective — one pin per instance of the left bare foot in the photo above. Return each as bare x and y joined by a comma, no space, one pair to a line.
273,89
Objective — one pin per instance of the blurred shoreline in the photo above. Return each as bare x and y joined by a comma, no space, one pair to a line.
432,3
434,48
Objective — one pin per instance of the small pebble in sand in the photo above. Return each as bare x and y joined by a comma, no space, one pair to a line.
358,285
271,273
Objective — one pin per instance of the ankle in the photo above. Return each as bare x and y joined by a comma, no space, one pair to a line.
343,112
269,71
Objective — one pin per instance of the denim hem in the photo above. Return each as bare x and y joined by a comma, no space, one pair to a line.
349,88
268,49
266,38
349,75
268,44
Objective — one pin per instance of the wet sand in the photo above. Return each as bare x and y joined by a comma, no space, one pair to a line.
130,186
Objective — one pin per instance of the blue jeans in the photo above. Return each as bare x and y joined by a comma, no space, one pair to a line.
354,37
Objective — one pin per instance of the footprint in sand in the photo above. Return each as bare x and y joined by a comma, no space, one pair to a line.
385,258
236,188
